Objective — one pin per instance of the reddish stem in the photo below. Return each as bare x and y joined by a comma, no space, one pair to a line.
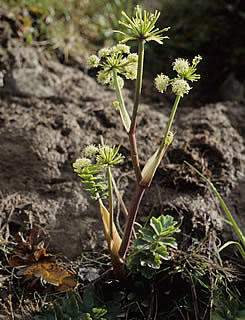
134,207
134,155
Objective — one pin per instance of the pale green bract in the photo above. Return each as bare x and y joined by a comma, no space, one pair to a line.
142,27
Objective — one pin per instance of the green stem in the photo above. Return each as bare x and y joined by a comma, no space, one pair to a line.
222,203
132,137
110,192
153,162
138,88
123,111
169,125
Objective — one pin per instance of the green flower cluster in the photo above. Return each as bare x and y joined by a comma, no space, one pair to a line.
117,58
142,27
90,168
185,72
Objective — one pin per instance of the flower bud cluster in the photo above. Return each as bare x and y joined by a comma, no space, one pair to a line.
185,72
161,82
98,156
81,163
142,26
118,58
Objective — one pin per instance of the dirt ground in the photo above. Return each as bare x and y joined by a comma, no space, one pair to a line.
50,111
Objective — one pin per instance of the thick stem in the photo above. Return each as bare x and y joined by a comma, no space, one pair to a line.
139,192
110,192
123,111
132,138
169,125
138,88
152,164
134,156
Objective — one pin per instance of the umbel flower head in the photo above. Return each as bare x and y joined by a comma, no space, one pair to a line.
185,70
185,73
81,163
180,87
118,58
161,82
108,155
142,26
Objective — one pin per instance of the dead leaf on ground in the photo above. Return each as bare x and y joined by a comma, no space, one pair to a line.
33,263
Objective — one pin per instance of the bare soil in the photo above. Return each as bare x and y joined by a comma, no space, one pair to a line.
50,111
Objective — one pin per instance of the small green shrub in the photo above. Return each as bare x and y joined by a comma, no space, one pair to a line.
150,248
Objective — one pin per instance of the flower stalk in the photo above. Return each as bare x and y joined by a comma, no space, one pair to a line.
132,131
123,111
134,207
110,193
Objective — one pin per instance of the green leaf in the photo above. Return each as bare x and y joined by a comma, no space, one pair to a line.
147,234
58,311
156,225
99,312
89,298
168,241
162,251
167,222
141,243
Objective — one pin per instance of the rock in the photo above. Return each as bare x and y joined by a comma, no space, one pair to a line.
231,89
27,82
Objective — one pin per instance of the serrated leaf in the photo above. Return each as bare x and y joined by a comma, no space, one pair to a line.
162,251
148,235
140,243
168,241
156,225
167,222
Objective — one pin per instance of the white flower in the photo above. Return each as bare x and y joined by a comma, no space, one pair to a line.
180,87
81,163
131,71
104,52
90,151
121,48
161,82
181,66
104,77
132,57
93,61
